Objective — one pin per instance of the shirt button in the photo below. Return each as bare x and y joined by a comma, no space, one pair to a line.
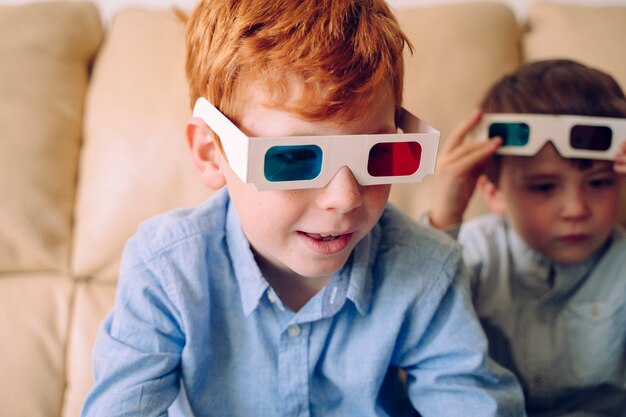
271,295
538,380
294,330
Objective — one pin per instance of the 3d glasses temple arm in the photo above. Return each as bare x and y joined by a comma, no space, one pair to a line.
409,123
234,141
430,144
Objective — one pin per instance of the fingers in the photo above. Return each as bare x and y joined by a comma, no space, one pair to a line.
458,148
620,160
457,136
473,155
458,167
470,146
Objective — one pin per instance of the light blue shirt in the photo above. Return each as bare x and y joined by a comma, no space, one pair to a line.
193,311
560,328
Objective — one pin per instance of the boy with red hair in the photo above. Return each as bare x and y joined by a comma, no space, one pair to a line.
296,290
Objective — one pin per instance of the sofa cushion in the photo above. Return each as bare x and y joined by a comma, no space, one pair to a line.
45,53
92,301
135,162
460,50
34,317
587,34
590,35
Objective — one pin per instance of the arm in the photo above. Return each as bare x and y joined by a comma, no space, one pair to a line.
459,165
137,352
450,373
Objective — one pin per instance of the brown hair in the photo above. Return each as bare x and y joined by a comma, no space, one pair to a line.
558,86
340,52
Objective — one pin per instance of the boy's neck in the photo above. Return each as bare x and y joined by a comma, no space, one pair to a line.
293,290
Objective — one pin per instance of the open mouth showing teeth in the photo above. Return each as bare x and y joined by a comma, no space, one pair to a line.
322,238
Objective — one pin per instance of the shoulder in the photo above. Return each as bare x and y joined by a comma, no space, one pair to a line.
420,269
613,262
203,224
484,235
415,256
169,253
604,287
487,225
398,231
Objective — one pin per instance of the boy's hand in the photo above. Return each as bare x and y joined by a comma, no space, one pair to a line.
459,165
620,160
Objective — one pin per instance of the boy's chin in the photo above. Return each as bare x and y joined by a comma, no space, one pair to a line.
575,256
318,271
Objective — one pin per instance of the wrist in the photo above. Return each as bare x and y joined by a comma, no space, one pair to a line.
444,220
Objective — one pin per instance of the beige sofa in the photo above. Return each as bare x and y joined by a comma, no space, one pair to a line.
91,144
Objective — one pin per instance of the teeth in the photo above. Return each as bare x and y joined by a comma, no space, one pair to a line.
322,237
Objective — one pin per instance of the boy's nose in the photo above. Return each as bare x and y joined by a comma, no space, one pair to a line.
342,192
575,206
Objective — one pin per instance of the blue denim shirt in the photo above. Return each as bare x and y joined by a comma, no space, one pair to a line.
193,311
561,328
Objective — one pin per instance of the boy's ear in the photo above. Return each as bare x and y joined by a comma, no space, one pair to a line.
492,195
205,153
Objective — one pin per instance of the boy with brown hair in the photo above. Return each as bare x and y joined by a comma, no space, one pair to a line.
296,290
547,266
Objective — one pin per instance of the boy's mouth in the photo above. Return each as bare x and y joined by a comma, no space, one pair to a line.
322,237
327,243
574,238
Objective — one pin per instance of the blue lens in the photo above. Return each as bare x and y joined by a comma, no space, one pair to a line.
292,163
512,134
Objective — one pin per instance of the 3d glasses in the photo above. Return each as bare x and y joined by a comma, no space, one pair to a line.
294,162
573,136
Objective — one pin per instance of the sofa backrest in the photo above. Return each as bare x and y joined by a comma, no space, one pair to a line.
134,149
69,206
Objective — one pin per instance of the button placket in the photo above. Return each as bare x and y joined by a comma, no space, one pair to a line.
294,330
293,371
539,347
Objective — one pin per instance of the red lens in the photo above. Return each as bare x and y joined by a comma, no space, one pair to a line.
592,138
394,159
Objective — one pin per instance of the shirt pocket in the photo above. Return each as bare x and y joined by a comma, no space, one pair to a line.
594,340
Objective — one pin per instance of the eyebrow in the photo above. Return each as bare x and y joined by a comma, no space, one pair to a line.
552,176
384,130
539,177
599,168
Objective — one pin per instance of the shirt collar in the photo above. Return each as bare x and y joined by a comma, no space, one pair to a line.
361,279
251,283
353,282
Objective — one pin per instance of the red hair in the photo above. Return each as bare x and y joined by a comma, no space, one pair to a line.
339,54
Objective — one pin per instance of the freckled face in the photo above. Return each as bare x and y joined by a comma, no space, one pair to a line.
309,232
562,211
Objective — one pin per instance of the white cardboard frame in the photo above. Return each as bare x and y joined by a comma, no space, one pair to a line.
546,128
245,155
